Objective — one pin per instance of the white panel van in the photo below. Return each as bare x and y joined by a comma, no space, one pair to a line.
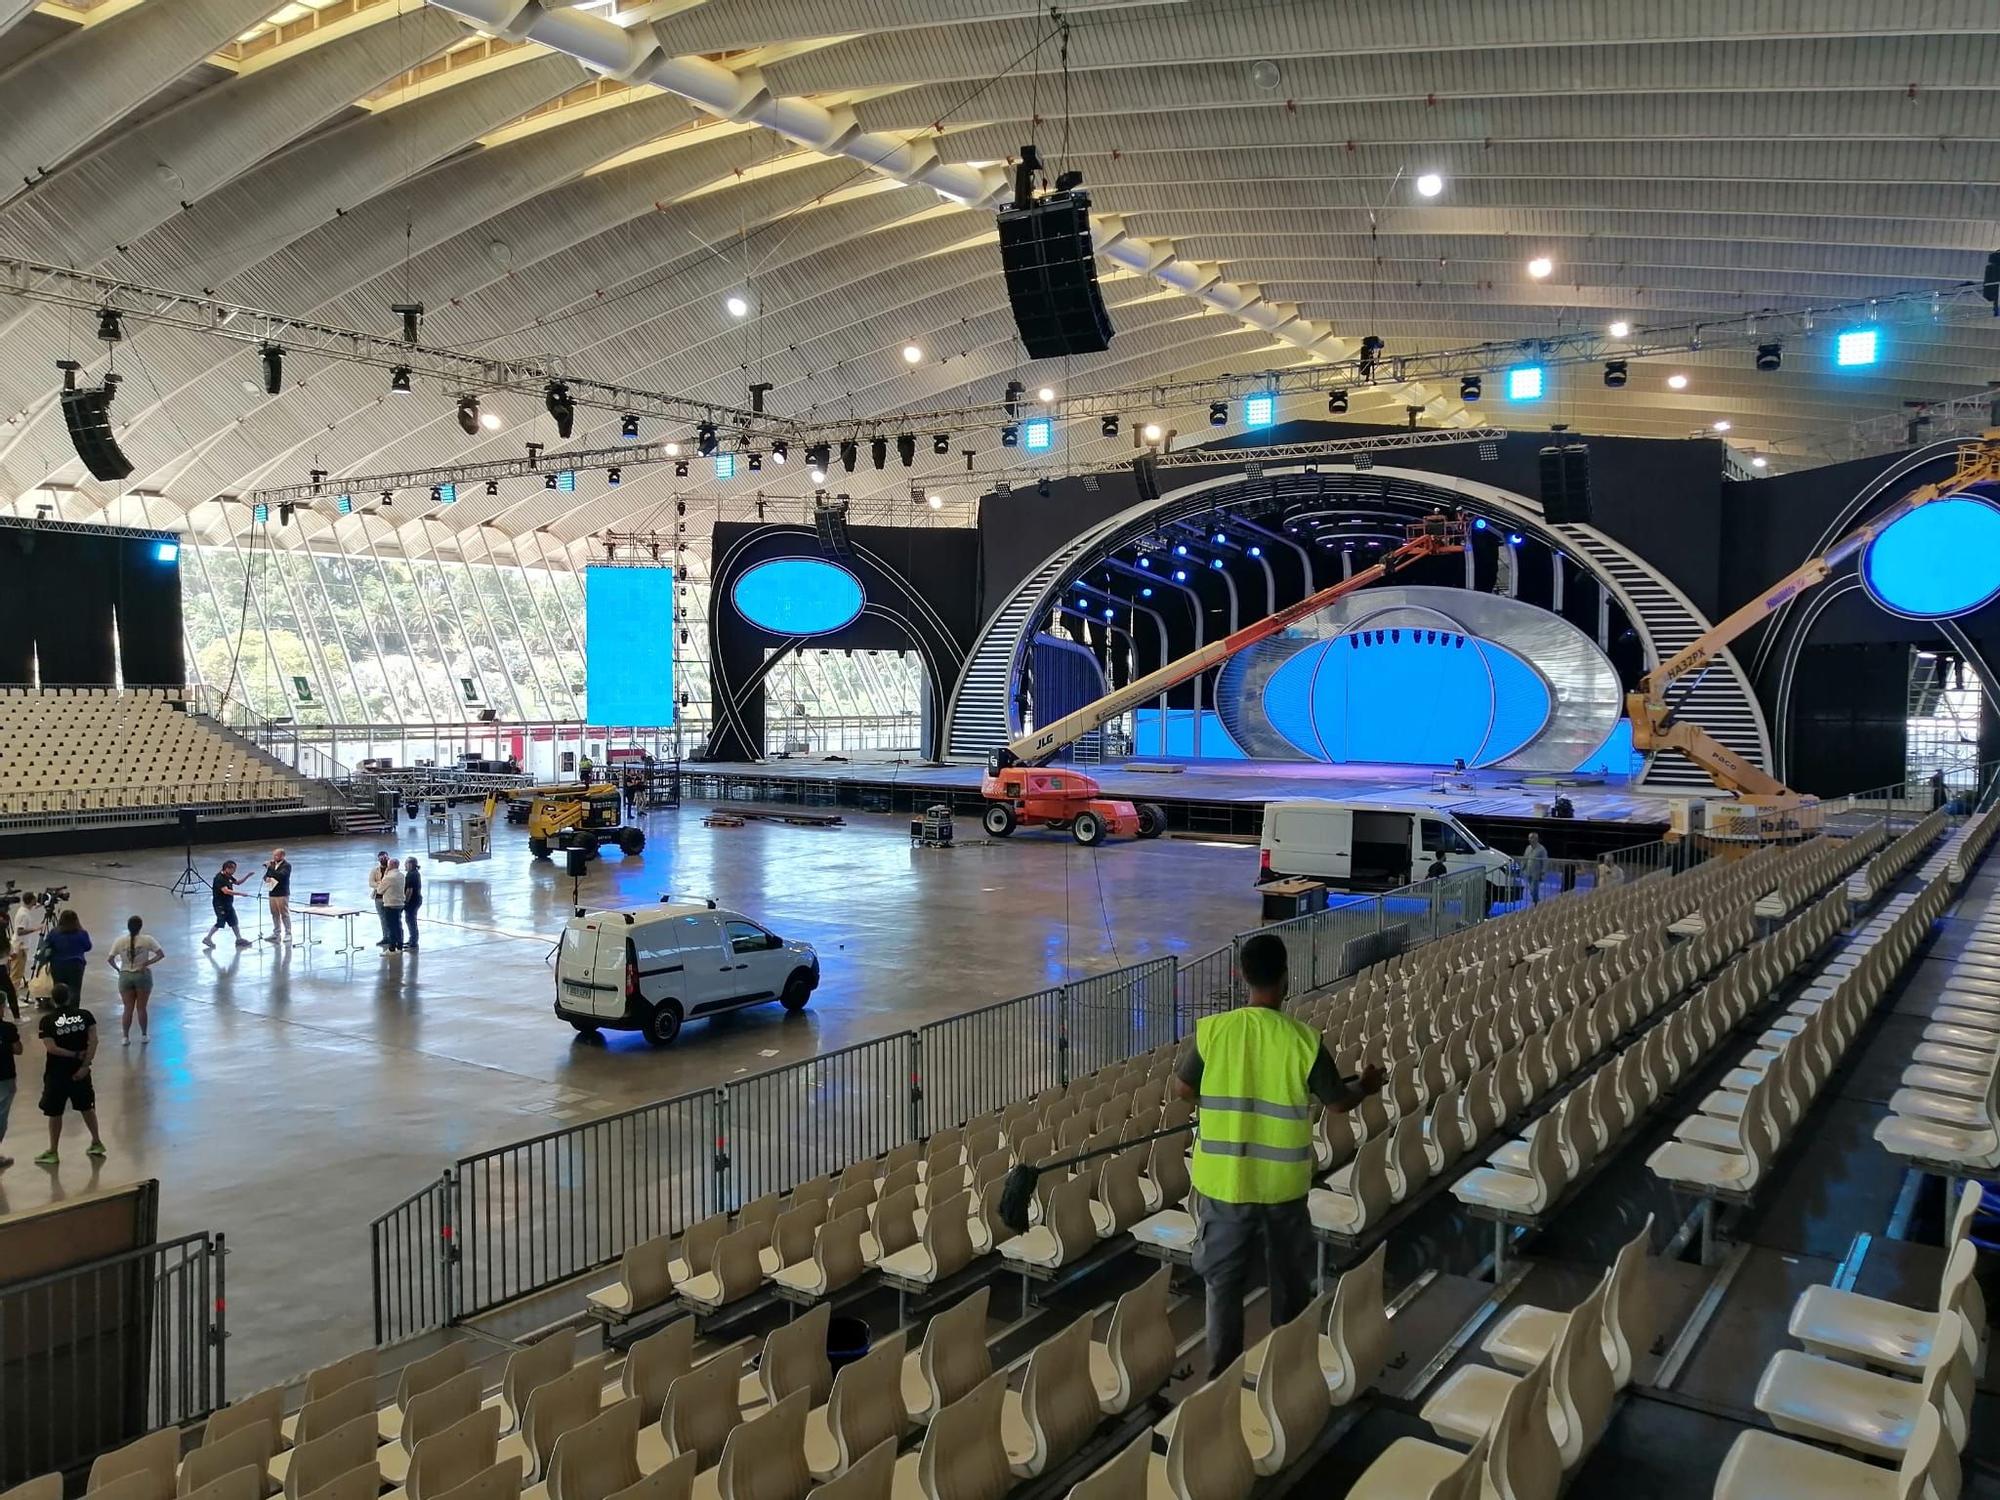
1371,846
650,968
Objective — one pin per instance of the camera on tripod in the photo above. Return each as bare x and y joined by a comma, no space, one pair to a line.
47,899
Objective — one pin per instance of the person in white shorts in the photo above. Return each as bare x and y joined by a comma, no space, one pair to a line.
132,959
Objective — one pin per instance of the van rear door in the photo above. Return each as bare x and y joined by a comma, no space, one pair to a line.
1309,841
577,965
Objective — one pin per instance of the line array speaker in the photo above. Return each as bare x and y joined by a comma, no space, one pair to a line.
1146,477
830,521
1051,272
1566,484
87,414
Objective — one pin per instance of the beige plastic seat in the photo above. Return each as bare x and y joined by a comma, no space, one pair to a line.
1056,1407
951,1360
443,1460
1522,1194
1368,1196
1207,1458
1470,1403
696,1253
963,1456
764,1458
554,1407
157,1454
700,1412
1865,1412
1841,1324
499,1481
595,1459
793,1232
1166,1181
1763,1466
942,1250
1524,1337
319,1461
1122,1477
795,1359
836,1259
138,1485
417,1377
1138,1351
643,1283
451,1401
654,1363
43,1487
527,1368
266,1406
1413,1469
893,1228
326,1414
247,1484
864,1410
247,1447
357,1484
1290,1405
871,1477
343,1372
734,1273
1067,1231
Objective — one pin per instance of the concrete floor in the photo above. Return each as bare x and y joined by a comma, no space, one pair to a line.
290,1096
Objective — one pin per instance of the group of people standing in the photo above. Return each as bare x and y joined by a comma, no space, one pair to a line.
399,894
223,891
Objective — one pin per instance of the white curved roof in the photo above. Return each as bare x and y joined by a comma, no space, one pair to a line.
332,157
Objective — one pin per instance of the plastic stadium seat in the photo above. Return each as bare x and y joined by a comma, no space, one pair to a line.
764,1458
700,1412
836,1259
1207,1458
1138,1352
1469,1404
157,1455
1524,1337
527,1368
864,1411
1846,1325
793,1232
1763,1466
944,1248
871,1477
46,1487
319,1461
445,1404
499,1481
554,1407
1867,1413
267,1407
673,1480
1413,1469
952,1359
447,1458
736,1271
795,1359
357,1484
1056,1407
247,1484
597,1458
1066,1233
417,1377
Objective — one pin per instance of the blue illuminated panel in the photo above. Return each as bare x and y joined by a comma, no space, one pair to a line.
1524,383
166,551
1938,561
1407,700
1260,410
1038,434
797,596
1615,757
1216,742
725,466
1856,346
628,626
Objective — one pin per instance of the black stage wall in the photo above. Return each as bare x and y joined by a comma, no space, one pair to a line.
921,590
83,602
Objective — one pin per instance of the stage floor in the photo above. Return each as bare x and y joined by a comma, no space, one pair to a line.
1478,794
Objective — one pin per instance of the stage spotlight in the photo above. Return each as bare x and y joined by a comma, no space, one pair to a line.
437,495
549,482
399,381
260,514
1151,432
1218,413
1042,488
781,452
1145,562
1513,538
1759,462
1180,549
1180,575
109,327
906,449
755,462
1677,382
285,512
628,425
1619,328
1146,592
878,451
555,396
1524,383
1720,424
1429,185
490,420
1038,434
1010,436
492,487
935,502
1468,388
1615,373
614,475
1336,403
725,466
1479,523
705,439
1109,426
468,415
1220,539
1256,551
1015,390
1770,356
941,443
274,368
849,452
345,505
1046,394
817,455
680,468
387,497
1854,347
1260,410
1216,563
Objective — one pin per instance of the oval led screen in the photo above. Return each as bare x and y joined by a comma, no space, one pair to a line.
797,596
1937,561
1413,698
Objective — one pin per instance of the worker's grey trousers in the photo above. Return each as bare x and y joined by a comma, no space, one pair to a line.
1222,1258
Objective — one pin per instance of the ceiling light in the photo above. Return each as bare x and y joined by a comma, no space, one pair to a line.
399,381
737,304
1720,424
1677,382
1430,185
1770,356
780,451
912,354
1469,388
1619,328
1540,267
1759,461
1615,373
628,425
935,502
468,415
1046,394
1336,403
490,420
817,475
1150,432
1109,425
673,450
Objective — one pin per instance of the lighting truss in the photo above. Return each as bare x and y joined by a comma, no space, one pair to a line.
452,371
1280,453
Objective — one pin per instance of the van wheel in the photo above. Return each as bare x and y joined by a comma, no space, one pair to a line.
1152,820
999,820
631,840
664,1024
539,848
1088,829
798,990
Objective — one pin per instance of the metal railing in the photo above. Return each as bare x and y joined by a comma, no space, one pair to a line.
821,734
96,1355
781,1127
148,802
1107,1018
969,1064
413,1260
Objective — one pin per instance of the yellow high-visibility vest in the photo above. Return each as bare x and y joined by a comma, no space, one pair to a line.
1254,1140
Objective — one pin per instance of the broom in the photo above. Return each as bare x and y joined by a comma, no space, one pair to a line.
1018,1191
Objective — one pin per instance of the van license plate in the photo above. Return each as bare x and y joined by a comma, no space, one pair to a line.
576,987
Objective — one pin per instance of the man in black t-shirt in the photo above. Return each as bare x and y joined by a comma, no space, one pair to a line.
69,1042
10,1048
278,886
222,893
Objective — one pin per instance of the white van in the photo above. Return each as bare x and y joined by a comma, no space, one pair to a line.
649,968
1371,846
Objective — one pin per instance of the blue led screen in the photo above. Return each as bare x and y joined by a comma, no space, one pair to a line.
1615,757
1940,560
1416,698
628,627
1216,742
797,596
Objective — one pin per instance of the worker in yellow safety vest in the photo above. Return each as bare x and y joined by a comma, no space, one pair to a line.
1255,1074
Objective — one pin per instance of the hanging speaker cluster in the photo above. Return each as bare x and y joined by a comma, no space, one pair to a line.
1566,484
87,413
1051,273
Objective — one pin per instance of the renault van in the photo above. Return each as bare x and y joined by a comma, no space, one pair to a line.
1371,846
652,968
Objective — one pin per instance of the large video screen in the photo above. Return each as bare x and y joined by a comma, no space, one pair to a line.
628,633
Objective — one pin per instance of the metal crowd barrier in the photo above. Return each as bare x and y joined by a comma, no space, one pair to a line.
96,1355
518,1219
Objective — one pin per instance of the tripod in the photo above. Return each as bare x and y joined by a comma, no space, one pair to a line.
189,881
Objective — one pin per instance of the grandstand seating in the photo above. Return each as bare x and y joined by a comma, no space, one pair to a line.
107,749
1604,1001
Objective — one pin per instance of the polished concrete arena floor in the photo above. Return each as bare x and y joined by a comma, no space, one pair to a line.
290,1095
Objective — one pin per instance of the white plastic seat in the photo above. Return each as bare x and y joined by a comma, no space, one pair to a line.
1841,1324
1763,1466
1866,1412
1470,1403
1524,1337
